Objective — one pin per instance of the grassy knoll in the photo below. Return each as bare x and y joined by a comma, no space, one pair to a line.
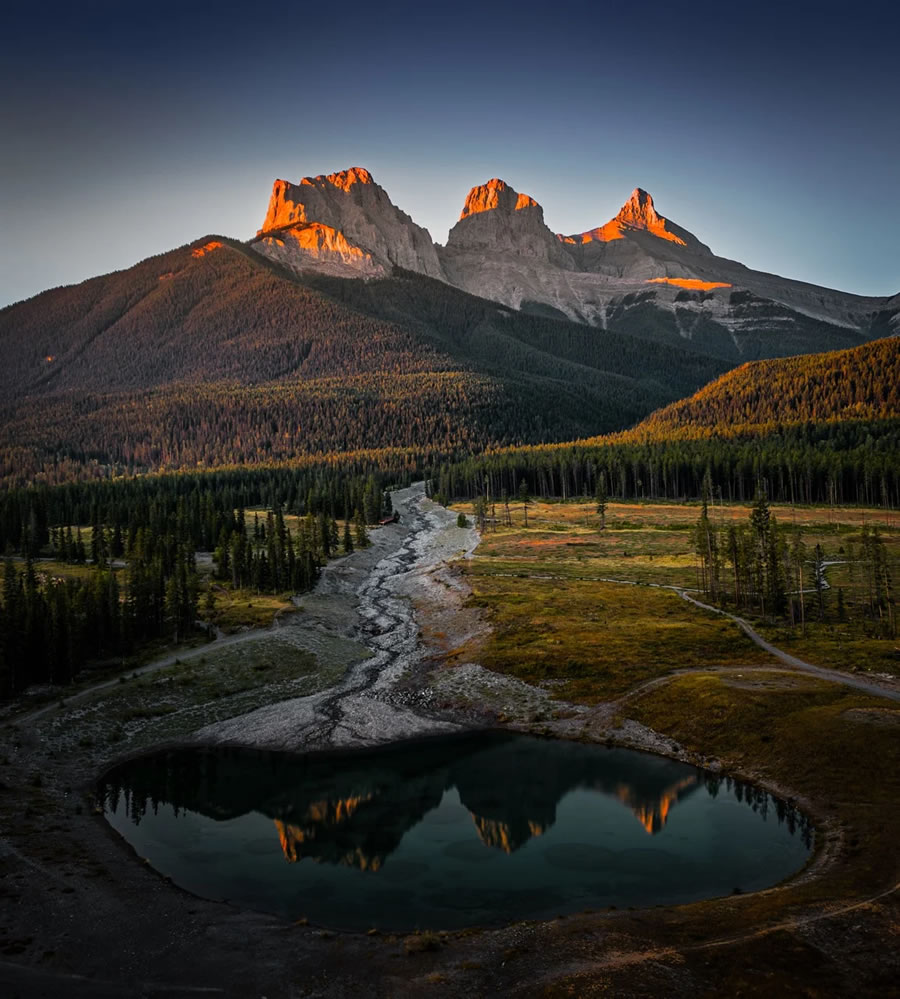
593,641
64,570
242,609
171,702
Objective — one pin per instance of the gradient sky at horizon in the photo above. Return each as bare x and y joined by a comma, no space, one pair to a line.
771,131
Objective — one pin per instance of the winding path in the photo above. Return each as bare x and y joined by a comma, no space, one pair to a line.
832,675
822,672
69,700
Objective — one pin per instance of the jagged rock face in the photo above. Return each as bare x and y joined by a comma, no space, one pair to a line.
320,246
639,272
497,219
637,216
343,223
643,272
496,195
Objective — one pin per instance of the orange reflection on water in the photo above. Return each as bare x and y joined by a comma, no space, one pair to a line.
322,815
494,832
653,817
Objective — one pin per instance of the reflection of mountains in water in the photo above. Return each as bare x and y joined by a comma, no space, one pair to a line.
354,809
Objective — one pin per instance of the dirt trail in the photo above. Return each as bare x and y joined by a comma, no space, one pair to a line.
831,675
71,700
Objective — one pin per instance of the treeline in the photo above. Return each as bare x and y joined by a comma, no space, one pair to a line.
143,583
52,626
764,568
836,463
198,506
269,558
214,425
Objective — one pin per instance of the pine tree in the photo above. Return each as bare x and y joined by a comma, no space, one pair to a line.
362,538
524,499
601,498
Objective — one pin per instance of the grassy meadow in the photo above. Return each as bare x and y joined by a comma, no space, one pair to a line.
556,616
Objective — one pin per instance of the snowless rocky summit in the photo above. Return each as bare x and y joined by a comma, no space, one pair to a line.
343,223
637,269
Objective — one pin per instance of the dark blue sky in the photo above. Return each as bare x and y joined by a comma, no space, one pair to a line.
770,130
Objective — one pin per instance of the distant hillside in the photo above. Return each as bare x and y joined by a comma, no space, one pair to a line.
821,428
212,354
862,383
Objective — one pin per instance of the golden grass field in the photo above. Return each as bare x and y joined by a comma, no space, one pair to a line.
615,633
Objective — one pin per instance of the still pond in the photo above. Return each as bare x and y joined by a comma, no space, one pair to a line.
449,833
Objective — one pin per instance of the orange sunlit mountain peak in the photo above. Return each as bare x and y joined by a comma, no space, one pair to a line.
343,179
318,238
495,194
287,205
638,214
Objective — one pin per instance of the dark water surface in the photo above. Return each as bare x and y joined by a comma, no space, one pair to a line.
450,833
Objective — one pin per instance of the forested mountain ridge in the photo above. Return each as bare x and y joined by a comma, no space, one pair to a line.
208,312
816,428
212,354
862,383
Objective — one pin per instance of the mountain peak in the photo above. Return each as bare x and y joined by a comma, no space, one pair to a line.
495,194
638,215
343,179
497,219
343,222
639,212
639,203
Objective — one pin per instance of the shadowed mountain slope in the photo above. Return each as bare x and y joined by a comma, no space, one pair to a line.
213,354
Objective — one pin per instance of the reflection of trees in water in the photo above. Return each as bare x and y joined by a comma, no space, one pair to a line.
762,802
354,809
